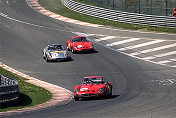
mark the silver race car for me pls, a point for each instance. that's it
(55, 52)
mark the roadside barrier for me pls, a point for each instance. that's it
(8, 89)
(123, 17)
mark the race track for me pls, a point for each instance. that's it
(141, 88)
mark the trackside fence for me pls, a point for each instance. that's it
(119, 16)
(8, 89)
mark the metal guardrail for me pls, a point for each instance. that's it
(8, 89)
(123, 17)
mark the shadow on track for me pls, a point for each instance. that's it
(87, 52)
(92, 98)
(58, 61)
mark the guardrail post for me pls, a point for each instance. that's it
(166, 7)
(113, 4)
(139, 6)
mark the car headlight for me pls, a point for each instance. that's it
(76, 90)
(101, 90)
(79, 46)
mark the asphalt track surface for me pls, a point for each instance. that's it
(136, 94)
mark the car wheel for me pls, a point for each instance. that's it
(76, 98)
(73, 51)
(107, 93)
(68, 48)
(47, 60)
(110, 93)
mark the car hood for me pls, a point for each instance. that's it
(57, 51)
(91, 87)
(83, 43)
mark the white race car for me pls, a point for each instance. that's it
(55, 52)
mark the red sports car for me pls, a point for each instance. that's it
(78, 44)
(93, 86)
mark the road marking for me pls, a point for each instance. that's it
(141, 45)
(166, 61)
(153, 49)
(160, 55)
(122, 42)
(7, 2)
(105, 38)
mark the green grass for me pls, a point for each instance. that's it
(30, 95)
(57, 7)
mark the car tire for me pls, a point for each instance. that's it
(47, 60)
(110, 93)
(72, 50)
(76, 98)
(107, 93)
(68, 48)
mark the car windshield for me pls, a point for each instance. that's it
(79, 39)
(55, 47)
(93, 80)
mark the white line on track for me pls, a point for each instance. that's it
(6, 16)
(122, 42)
(160, 55)
(153, 49)
(141, 45)
(105, 38)
(173, 66)
(166, 61)
(7, 2)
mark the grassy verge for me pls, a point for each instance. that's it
(57, 7)
(30, 95)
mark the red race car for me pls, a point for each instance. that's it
(93, 86)
(78, 44)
